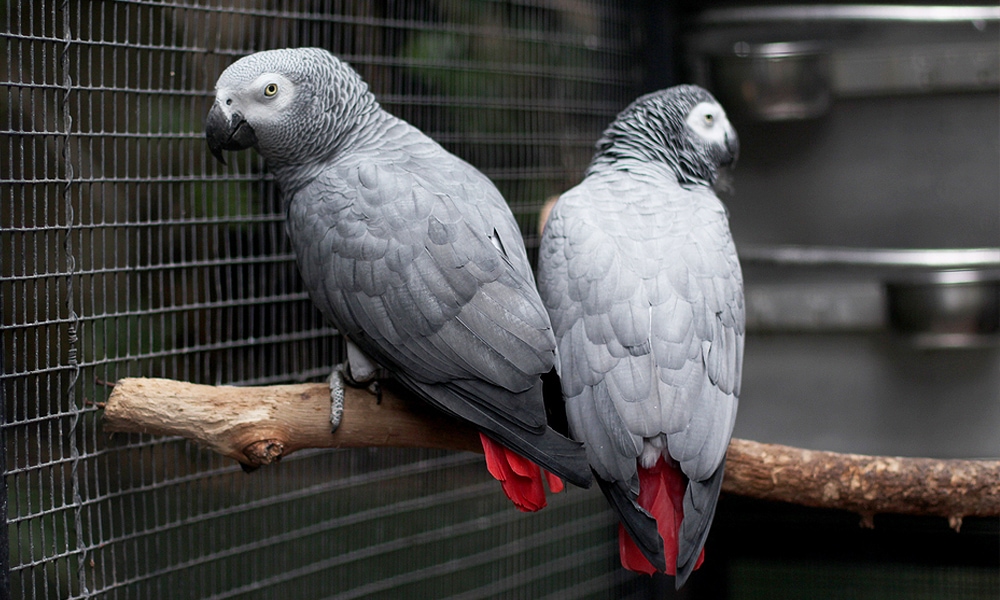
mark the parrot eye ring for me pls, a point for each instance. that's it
(270, 89)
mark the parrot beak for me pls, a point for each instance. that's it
(732, 148)
(227, 132)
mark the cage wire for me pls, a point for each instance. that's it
(127, 251)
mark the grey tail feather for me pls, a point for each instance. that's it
(550, 450)
(700, 501)
(638, 523)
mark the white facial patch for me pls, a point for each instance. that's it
(259, 100)
(266, 95)
(709, 122)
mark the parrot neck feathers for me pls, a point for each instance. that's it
(653, 129)
(346, 129)
(638, 153)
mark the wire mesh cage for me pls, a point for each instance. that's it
(127, 251)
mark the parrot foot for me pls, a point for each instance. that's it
(362, 372)
(342, 376)
(337, 380)
(375, 388)
(370, 382)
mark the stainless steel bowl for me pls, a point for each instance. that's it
(946, 308)
(933, 298)
(775, 81)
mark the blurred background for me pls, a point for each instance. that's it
(866, 208)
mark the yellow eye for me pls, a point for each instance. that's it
(270, 89)
(709, 119)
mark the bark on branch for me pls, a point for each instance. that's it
(259, 425)
(867, 485)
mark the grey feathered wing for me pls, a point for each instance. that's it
(643, 287)
(414, 256)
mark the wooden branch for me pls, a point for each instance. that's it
(259, 425)
(867, 485)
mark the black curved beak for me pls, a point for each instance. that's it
(732, 148)
(227, 133)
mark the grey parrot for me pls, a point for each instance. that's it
(409, 251)
(640, 276)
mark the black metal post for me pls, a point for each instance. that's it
(4, 539)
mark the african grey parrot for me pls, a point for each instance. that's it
(409, 251)
(640, 277)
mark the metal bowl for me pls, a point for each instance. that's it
(775, 81)
(946, 308)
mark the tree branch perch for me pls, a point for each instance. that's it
(259, 425)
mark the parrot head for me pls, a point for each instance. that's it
(683, 126)
(291, 105)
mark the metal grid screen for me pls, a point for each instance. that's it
(127, 251)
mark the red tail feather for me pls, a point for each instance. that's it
(520, 478)
(661, 493)
(555, 484)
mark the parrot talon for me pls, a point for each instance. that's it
(375, 388)
(348, 377)
(360, 372)
(337, 380)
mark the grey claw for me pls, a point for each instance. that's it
(336, 397)
(375, 388)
